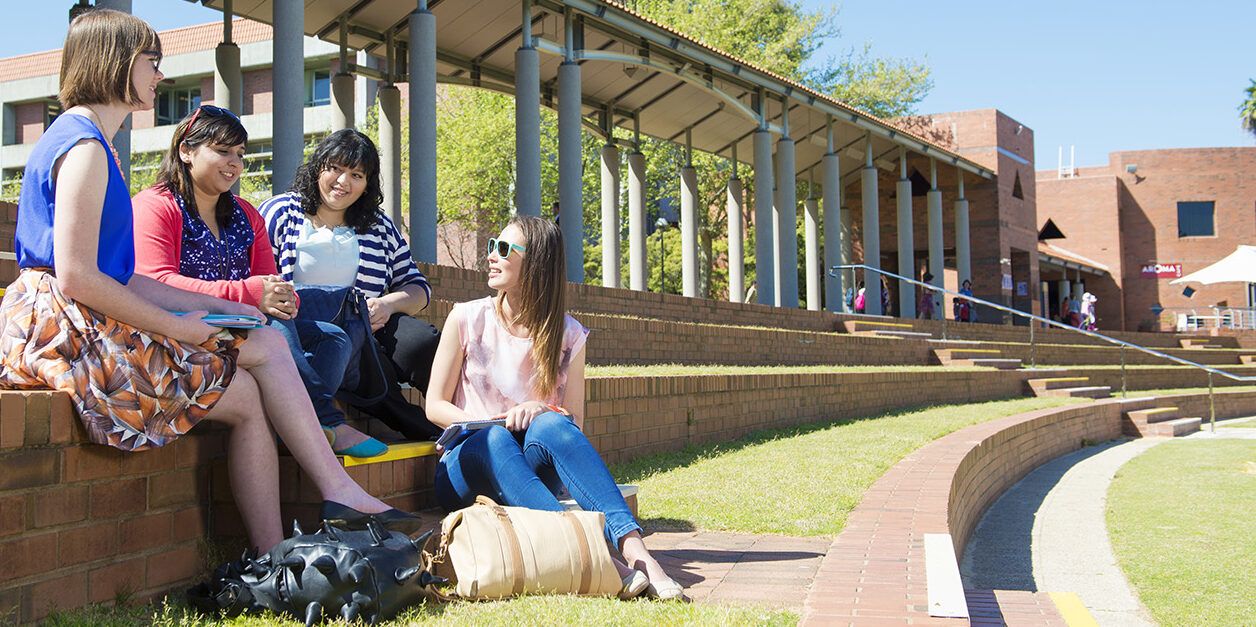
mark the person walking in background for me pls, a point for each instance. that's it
(924, 306)
(964, 309)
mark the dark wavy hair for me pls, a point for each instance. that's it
(175, 176)
(346, 148)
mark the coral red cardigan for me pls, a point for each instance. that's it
(159, 240)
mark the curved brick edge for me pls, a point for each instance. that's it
(875, 569)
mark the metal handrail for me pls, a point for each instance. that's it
(1212, 414)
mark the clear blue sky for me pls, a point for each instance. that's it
(1103, 75)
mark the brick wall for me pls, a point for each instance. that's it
(257, 92)
(28, 121)
(1146, 201)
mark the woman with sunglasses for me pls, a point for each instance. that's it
(192, 233)
(329, 231)
(79, 320)
(520, 357)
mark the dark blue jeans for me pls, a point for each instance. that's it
(528, 469)
(322, 352)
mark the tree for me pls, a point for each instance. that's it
(1247, 110)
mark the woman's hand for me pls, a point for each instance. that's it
(279, 298)
(520, 416)
(381, 310)
(232, 308)
(191, 330)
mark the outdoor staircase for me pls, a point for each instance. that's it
(988, 357)
(1208, 342)
(1163, 422)
(878, 328)
(1068, 386)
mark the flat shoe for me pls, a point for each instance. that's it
(346, 517)
(634, 585)
(666, 591)
(370, 447)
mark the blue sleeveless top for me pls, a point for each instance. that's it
(115, 255)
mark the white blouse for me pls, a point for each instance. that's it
(326, 256)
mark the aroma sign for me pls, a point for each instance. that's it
(1162, 271)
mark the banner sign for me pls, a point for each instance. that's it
(1162, 271)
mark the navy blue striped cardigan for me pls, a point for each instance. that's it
(384, 261)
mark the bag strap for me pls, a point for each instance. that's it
(586, 556)
(370, 357)
(516, 552)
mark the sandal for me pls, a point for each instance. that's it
(666, 591)
(634, 585)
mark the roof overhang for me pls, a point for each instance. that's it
(636, 71)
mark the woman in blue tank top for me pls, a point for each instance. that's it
(80, 321)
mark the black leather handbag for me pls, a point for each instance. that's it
(365, 382)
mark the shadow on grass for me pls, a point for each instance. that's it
(666, 524)
(636, 470)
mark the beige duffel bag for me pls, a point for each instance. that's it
(489, 551)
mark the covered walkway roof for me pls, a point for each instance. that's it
(639, 69)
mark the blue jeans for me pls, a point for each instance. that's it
(322, 352)
(529, 469)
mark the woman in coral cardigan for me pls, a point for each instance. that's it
(192, 233)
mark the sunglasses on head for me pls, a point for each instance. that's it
(212, 111)
(503, 247)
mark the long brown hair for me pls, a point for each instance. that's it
(543, 295)
(100, 51)
(175, 176)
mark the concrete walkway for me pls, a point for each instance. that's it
(1049, 532)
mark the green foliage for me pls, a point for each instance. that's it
(11, 188)
(883, 87)
(1247, 110)
(144, 167)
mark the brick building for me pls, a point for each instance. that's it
(1150, 216)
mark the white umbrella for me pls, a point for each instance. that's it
(1238, 267)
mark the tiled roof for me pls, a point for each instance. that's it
(173, 41)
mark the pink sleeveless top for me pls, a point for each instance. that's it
(497, 371)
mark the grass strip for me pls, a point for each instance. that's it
(534, 610)
(1179, 517)
(801, 481)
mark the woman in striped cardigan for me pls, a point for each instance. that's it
(329, 230)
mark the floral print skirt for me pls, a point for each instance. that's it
(133, 389)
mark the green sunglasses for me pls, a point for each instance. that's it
(503, 247)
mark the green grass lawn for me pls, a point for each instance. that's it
(754, 485)
(802, 481)
(1180, 518)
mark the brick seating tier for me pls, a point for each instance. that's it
(456, 284)
(875, 568)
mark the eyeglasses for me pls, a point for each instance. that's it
(213, 111)
(503, 247)
(154, 57)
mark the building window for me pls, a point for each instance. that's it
(317, 88)
(51, 113)
(1195, 218)
(175, 104)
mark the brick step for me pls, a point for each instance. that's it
(904, 335)
(1174, 428)
(1206, 342)
(946, 355)
(1143, 417)
(1247, 360)
(1001, 364)
(854, 326)
(1095, 391)
(1054, 383)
